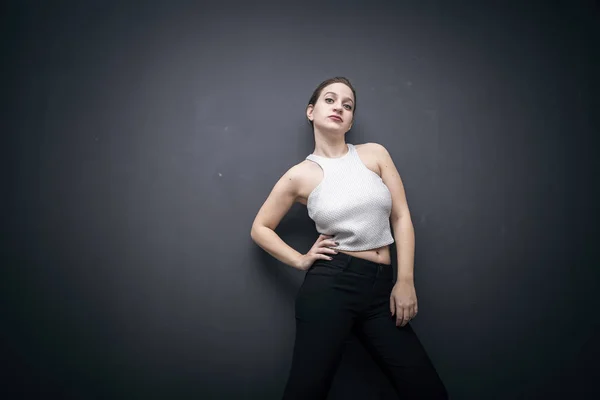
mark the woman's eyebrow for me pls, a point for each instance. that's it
(347, 98)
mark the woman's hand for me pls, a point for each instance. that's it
(318, 251)
(403, 302)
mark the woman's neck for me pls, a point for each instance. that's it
(330, 147)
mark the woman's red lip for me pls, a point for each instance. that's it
(338, 118)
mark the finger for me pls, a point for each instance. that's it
(392, 305)
(325, 247)
(328, 243)
(316, 255)
(325, 250)
(399, 315)
(407, 316)
(409, 313)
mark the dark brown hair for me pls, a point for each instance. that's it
(322, 85)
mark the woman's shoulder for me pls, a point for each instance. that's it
(371, 147)
(301, 171)
(305, 167)
(373, 150)
(299, 178)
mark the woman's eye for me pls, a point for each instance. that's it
(347, 106)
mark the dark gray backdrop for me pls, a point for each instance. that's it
(141, 141)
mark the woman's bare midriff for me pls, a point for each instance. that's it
(379, 256)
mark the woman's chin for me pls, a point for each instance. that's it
(336, 129)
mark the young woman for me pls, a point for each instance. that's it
(355, 196)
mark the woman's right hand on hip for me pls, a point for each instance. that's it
(319, 251)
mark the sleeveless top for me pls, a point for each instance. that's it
(351, 202)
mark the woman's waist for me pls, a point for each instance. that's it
(380, 255)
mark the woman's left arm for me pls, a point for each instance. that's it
(403, 299)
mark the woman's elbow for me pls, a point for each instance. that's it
(255, 232)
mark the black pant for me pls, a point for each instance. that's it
(350, 294)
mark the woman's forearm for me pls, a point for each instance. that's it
(404, 234)
(270, 242)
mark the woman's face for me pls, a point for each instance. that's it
(334, 109)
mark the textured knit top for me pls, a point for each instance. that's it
(351, 203)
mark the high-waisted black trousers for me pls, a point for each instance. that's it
(352, 295)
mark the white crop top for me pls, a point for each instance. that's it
(351, 203)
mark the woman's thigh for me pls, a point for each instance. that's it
(402, 357)
(323, 323)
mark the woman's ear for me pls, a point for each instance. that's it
(309, 112)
